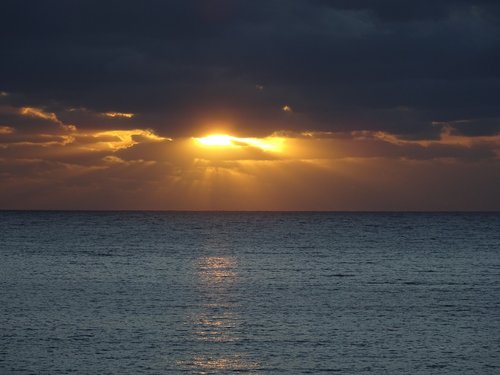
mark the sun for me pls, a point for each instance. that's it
(272, 144)
(216, 140)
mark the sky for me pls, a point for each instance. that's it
(250, 105)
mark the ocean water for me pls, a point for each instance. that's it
(259, 293)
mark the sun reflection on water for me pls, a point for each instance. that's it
(234, 363)
(216, 327)
(216, 324)
(217, 269)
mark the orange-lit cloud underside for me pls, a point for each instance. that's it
(137, 168)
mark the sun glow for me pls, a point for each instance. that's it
(273, 144)
(216, 140)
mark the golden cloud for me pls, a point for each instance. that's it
(118, 114)
(6, 130)
(38, 113)
(125, 138)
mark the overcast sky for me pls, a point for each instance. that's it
(385, 104)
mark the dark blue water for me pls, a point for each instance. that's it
(209, 293)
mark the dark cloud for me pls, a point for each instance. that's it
(342, 65)
(412, 11)
(476, 128)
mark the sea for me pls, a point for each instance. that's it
(249, 292)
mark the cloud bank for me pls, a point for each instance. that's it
(381, 105)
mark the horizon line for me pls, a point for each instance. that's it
(245, 211)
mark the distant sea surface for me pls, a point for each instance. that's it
(260, 293)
